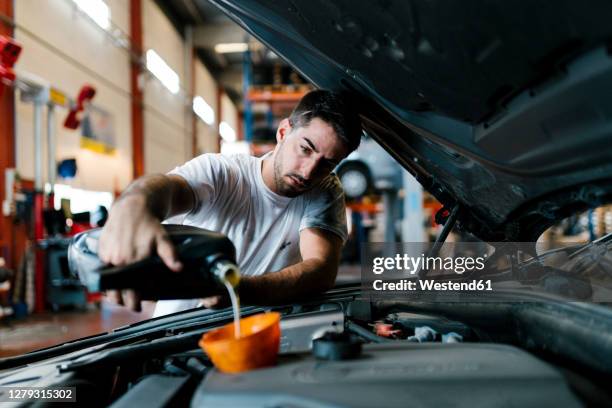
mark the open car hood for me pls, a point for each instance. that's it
(502, 108)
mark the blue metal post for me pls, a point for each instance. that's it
(270, 118)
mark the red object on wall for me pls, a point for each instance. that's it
(9, 53)
(86, 94)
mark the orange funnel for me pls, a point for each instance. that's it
(257, 347)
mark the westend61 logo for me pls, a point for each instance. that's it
(411, 265)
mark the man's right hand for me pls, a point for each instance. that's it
(132, 233)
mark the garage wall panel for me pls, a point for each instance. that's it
(161, 149)
(207, 138)
(68, 50)
(206, 87)
(228, 112)
(166, 132)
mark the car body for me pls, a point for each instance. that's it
(499, 108)
(502, 111)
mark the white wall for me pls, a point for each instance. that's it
(167, 139)
(68, 50)
(206, 87)
(229, 113)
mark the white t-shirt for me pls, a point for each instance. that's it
(232, 198)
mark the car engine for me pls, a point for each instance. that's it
(337, 352)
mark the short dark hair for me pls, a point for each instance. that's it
(335, 109)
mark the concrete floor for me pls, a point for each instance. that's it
(47, 329)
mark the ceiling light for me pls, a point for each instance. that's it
(97, 10)
(227, 132)
(203, 110)
(226, 48)
(162, 71)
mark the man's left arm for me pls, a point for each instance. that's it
(320, 250)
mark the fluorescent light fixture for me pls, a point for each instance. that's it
(227, 133)
(162, 71)
(226, 48)
(97, 10)
(203, 110)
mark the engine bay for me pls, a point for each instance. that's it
(395, 375)
(405, 358)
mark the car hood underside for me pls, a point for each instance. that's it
(499, 107)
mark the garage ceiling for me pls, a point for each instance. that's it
(211, 27)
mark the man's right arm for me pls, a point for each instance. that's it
(133, 230)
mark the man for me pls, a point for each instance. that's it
(284, 212)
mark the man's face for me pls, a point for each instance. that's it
(305, 155)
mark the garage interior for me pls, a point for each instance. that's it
(96, 93)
